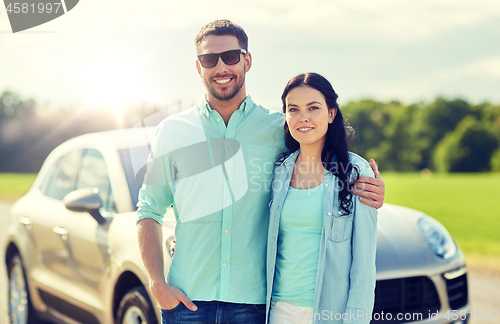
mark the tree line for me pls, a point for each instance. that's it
(442, 135)
(450, 135)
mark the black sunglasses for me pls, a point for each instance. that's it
(229, 58)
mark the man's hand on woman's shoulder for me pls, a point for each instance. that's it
(371, 191)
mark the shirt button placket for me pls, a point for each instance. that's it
(227, 216)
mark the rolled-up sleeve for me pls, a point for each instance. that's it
(155, 196)
(153, 202)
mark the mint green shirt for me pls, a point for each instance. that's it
(218, 179)
(299, 239)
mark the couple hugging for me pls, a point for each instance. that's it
(281, 227)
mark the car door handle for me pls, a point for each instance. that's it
(60, 230)
(26, 222)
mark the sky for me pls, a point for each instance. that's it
(117, 53)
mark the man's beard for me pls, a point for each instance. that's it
(227, 94)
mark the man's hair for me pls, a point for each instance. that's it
(223, 27)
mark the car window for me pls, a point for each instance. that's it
(93, 173)
(129, 157)
(47, 181)
(61, 179)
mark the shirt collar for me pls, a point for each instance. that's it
(290, 160)
(245, 107)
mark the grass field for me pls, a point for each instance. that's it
(14, 185)
(468, 205)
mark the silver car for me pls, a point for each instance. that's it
(72, 253)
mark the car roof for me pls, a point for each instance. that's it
(108, 142)
(121, 138)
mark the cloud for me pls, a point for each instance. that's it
(386, 48)
(488, 67)
(402, 21)
(474, 81)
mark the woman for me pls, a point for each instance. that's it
(322, 240)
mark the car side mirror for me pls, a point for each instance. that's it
(85, 200)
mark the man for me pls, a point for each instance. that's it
(216, 162)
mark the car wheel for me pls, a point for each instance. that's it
(136, 308)
(20, 308)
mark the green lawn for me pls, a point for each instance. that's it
(14, 185)
(468, 205)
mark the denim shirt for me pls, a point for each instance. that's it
(345, 279)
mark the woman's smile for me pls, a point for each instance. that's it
(305, 129)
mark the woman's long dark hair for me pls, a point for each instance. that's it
(335, 155)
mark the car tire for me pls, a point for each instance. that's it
(20, 308)
(136, 308)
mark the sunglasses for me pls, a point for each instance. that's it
(229, 58)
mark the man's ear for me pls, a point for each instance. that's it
(331, 115)
(198, 67)
(248, 62)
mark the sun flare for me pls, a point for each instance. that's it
(112, 82)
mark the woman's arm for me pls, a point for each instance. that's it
(362, 274)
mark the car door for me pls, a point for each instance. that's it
(48, 237)
(88, 253)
